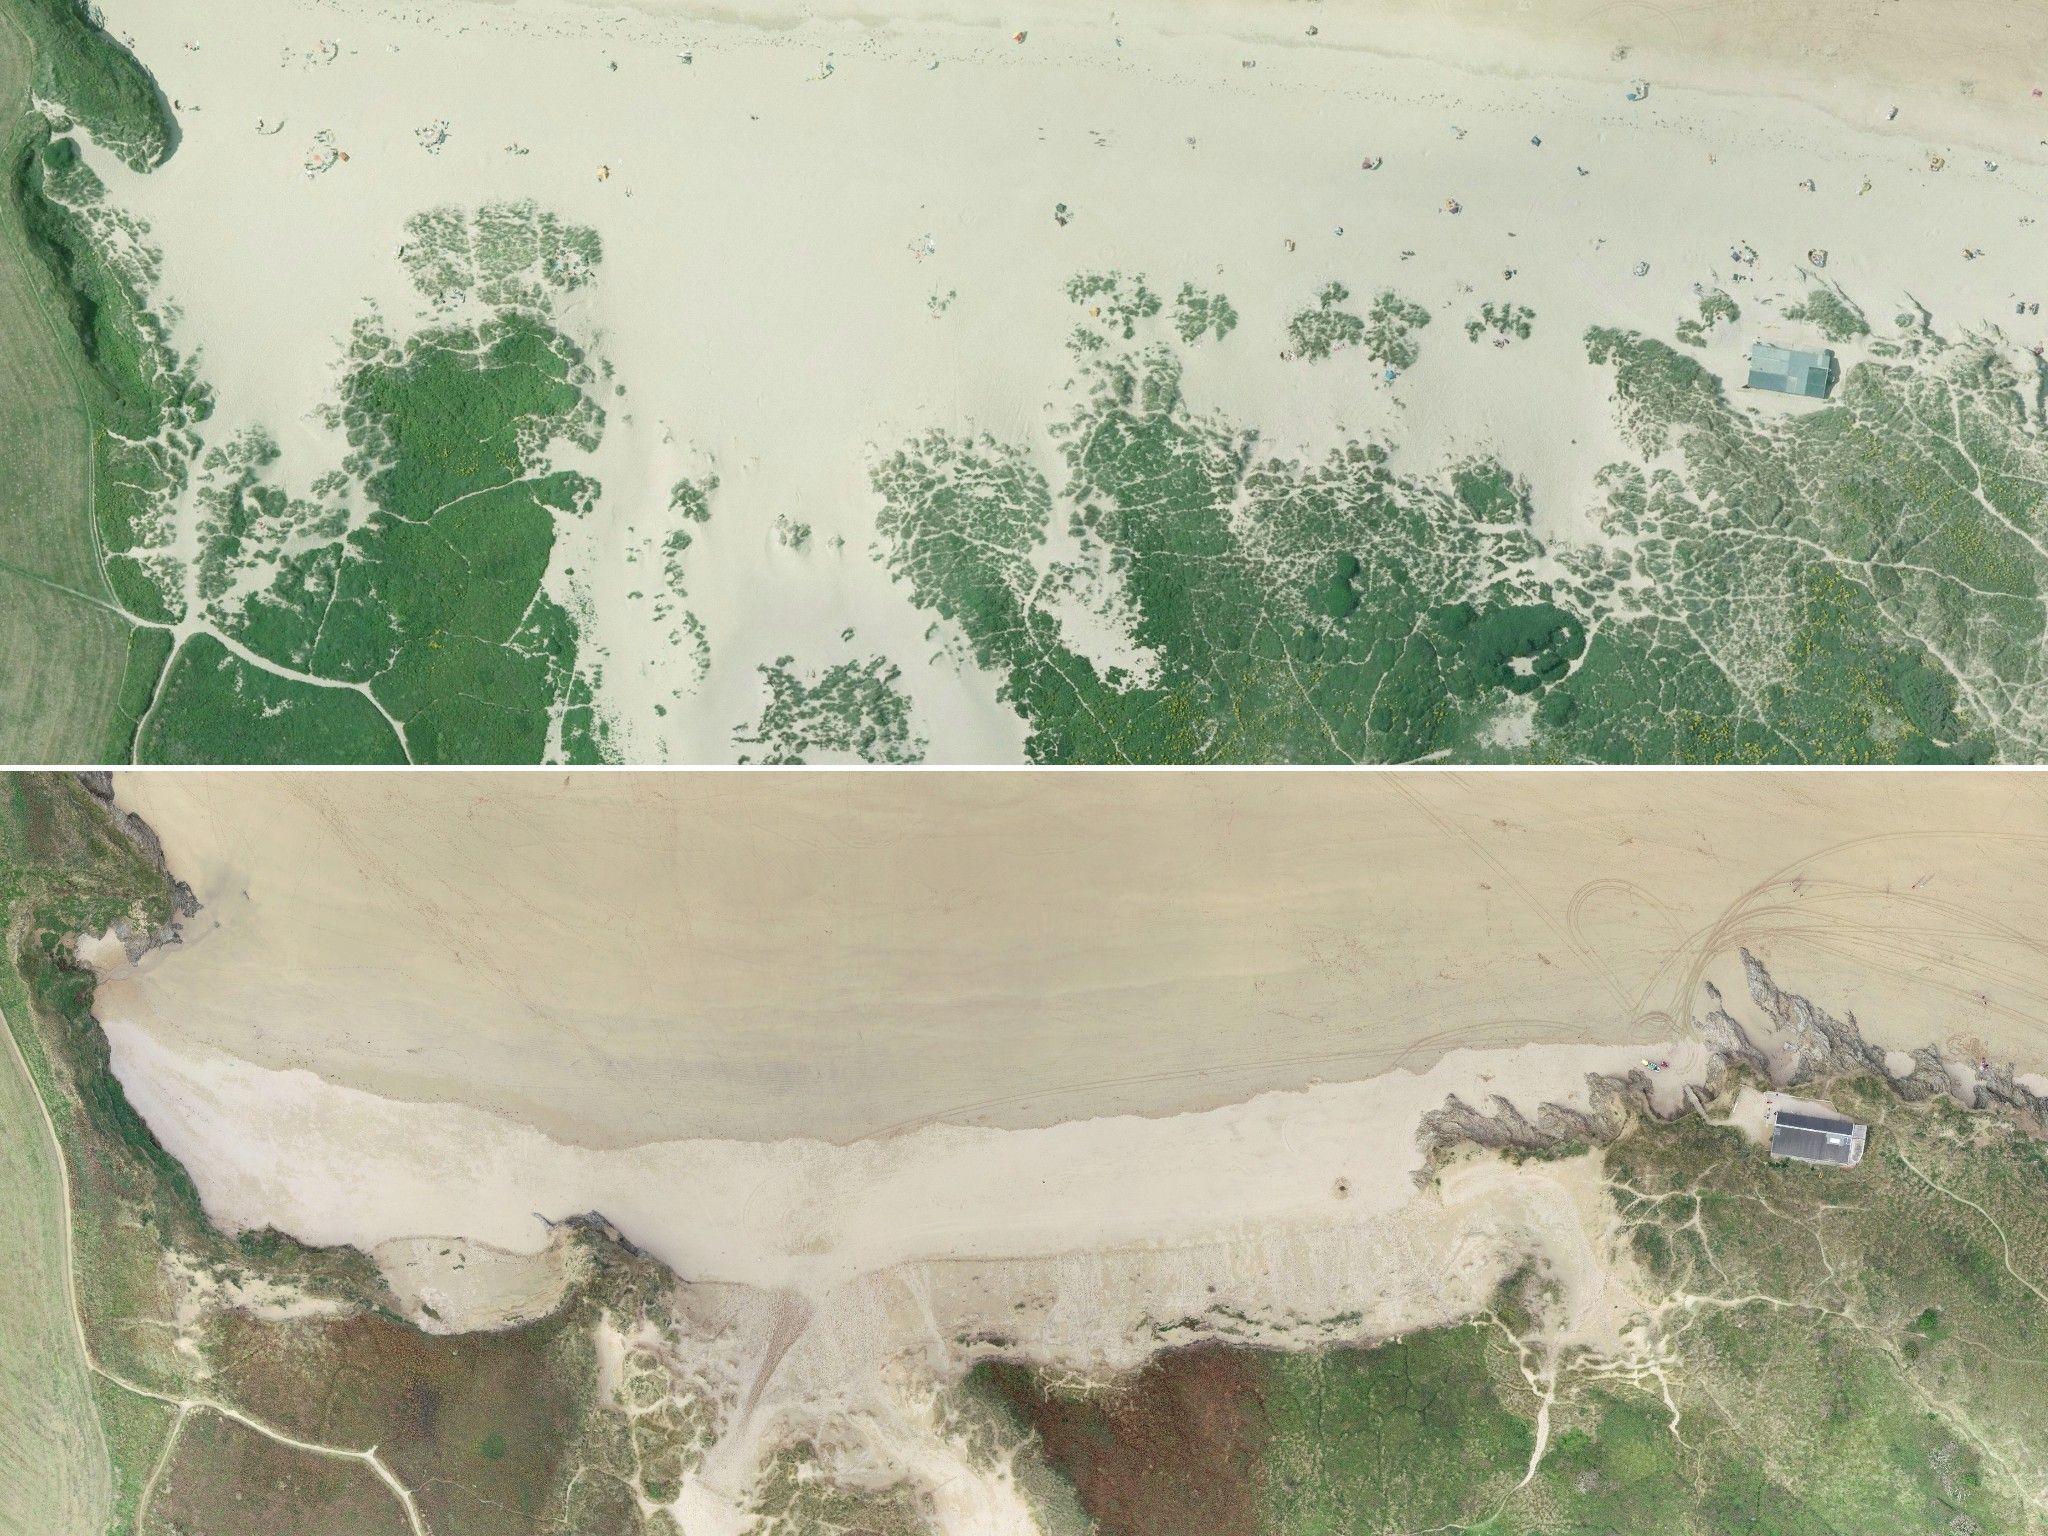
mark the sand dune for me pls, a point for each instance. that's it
(828, 231)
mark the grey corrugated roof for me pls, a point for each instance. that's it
(1791, 371)
(1806, 1122)
(1817, 1138)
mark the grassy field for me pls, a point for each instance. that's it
(53, 1463)
(62, 646)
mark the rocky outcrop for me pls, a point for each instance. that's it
(1612, 1102)
(1817, 1048)
(100, 785)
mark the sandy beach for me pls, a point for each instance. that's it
(617, 960)
(826, 232)
(834, 1290)
(897, 1071)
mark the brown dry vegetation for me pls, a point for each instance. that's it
(1180, 1448)
(224, 1479)
(479, 1426)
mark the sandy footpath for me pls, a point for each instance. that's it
(827, 230)
(617, 959)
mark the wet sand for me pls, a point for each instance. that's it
(620, 959)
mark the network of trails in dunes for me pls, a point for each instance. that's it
(1194, 383)
(1552, 1288)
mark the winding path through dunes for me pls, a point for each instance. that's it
(63, 645)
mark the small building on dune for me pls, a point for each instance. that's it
(1791, 371)
(1817, 1138)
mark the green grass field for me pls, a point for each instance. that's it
(64, 647)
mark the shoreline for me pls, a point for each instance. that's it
(1969, 52)
(799, 1215)
(836, 1289)
(658, 958)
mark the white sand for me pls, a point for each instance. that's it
(870, 1275)
(764, 312)
(336, 1165)
(455, 1285)
(618, 959)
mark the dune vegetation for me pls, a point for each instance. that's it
(1862, 584)
(1828, 1350)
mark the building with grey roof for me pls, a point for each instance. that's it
(1817, 1138)
(1790, 371)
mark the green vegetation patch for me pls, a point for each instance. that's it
(420, 575)
(145, 397)
(215, 707)
(1118, 303)
(96, 81)
(1198, 313)
(1390, 331)
(420, 569)
(856, 710)
(1506, 322)
(1828, 1350)
(1316, 333)
(689, 506)
(511, 255)
(1295, 611)
(1858, 584)
(1832, 311)
(1387, 332)
(1716, 308)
